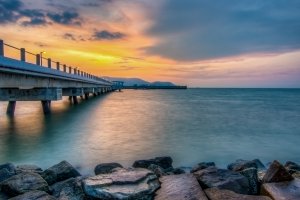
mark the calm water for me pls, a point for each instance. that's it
(192, 125)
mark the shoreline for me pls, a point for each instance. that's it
(154, 178)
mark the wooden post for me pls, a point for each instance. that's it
(65, 68)
(58, 66)
(70, 70)
(49, 62)
(23, 58)
(38, 59)
(1, 48)
(11, 108)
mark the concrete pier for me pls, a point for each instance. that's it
(22, 81)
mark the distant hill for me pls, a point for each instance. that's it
(139, 82)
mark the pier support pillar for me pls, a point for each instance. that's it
(11, 108)
(86, 96)
(46, 106)
(75, 101)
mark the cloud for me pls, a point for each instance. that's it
(9, 10)
(106, 35)
(69, 36)
(65, 18)
(201, 29)
(36, 17)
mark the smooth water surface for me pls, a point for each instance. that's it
(191, 125)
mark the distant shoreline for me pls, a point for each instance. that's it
(154, 87)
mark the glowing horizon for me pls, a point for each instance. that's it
(187, 44)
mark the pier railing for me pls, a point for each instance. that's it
(10, 51)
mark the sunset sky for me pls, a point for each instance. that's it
(199, 43)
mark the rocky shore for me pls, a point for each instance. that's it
(153, 179)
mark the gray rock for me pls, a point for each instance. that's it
(10, 168)
(180, 187)
(5, 174)
(202, 165)
(259, 164)
(240, 165)
(129, 184)
(60, 172)
(292, 167)
(28, 168)
(157, 170)
(3, 196)
(277, 173)
(222, 179)
(251, 175)
(22, 183)
(289, 190)
(34, 195)
(177, 171)
(106, 168)
(217, 194)
(68, 190)
(164, 162)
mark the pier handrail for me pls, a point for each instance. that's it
(58, 65)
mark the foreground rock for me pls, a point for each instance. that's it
(292, 167)
(106, 168)
(222, 179)
(28, 168)
(68, 189)
(277, 173)
(217, 194)
(130, 184)
(34, 195)
(157, 170)
(251, 175)
(60, 172)
(163, 162)
(282, 191)
(202, 165)
(6, 171)
(23, 183)
(240, 165)
(180, 187)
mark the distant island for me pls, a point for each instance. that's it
(137, 83)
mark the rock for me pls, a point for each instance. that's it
(202, 165)
(10, 168)
(180, 187)
(34, 195)
(292, 167)
(217, 194)
(130, 184)
(164, 162)
(5, 174)
(60, 172)
(251, 175)
(289, 190)
(106, 168)
(28, 168)
(3, 196)
(177, 171)
(68, 190)
(158, 171)
(296, 175)
(240, 165)
(277, 173)
(222, 179)
(25, 182)
(259, 164)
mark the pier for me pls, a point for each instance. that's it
(21, 80)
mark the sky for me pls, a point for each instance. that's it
(199, 43)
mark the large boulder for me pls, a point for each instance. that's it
(180, 187)
(164, 162)
(59, 172)
(240, 165)
(22, 183)
(34, 195)
(157, 170)
(289, 190)
(277, 173)
(130, 184)
(223, 179)
(292, 167)
(28, 168)
(218, 194)
(251, 175)
(106, 168)
(202, 165)
(10, 167)
(68, 190)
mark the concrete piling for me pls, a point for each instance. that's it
(11, 108)
(46, 106)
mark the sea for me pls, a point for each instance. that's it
(191, 126)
